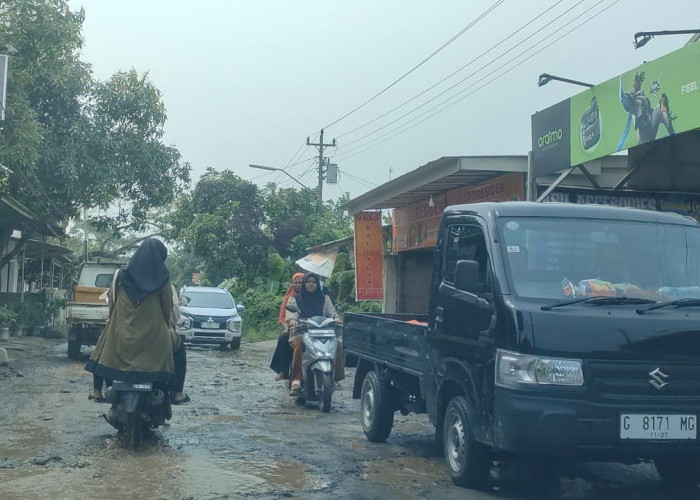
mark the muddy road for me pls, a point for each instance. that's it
(242, 436)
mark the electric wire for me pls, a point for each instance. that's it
(360, 149)
(455, 37)
(453, 86)
(459, 69)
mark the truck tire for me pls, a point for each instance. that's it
(680, 471)
(73, 349)
(377, 413)
(468, 461)
(235, 344)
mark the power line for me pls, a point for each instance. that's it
(460, 69)
(413, 110)
(461, 32)
(398, 130)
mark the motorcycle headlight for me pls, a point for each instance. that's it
(319, 348)
(234, 325)
(514, 370)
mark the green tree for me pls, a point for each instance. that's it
(72, 142)
(221, 223)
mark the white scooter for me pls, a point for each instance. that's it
(318, 362)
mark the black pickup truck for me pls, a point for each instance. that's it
(556, 331)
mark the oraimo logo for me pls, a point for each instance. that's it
(550, 137)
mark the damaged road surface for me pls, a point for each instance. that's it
(242, 435)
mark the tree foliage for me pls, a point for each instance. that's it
(73, 142)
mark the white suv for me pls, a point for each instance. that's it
(210, 316)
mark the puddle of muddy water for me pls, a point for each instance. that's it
(239, 474)
(226, 418)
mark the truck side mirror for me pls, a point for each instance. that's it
(240, 307)
(467, 276)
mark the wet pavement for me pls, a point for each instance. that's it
(243, 436)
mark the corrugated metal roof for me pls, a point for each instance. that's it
(437, 177)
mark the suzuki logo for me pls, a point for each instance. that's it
(658, 379)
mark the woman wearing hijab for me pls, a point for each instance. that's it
(283, 352)
(138, 344)
(310, 301)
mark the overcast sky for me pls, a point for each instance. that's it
(248, 81)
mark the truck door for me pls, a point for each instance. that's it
(461, 323)
(459, 315)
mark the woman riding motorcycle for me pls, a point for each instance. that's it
(310, 302)
(138, 344)
(282, 357)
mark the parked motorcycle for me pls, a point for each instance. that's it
(318, 362)
(136, 408)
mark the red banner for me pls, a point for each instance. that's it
(368, 256)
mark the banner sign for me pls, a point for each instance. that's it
(681, 203)
(320, 261)
(657, 99)
(369, 256)
(417, 225)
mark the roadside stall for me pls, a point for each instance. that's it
(418, 200)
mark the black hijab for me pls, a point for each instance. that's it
(310, 304)
(145, 272)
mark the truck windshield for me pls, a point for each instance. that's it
(571, 258)
(209, 300)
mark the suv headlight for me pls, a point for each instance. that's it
(234, 325)
(514, 370)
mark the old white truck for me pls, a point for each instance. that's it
(88, 310)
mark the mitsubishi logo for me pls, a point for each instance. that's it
(658, 379)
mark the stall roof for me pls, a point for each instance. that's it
(436, 177)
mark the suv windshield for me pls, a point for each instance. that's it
(570, 258)
(208, 299)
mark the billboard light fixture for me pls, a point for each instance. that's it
(545, 78)
(642, 37)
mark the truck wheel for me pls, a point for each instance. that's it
(377, 414)
(235, 344)
(73, 349)
(468, 461)
(681, 471)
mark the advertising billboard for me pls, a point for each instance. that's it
(658, 99)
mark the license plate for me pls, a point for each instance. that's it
(652, 426)
(210, 324)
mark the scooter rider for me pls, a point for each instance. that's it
(137, 343)
(310, 301)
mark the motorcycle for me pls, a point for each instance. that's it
(318, 362)
(136, 408)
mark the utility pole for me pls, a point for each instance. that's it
(321, 163)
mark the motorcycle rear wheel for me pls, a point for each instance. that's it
(134, 431)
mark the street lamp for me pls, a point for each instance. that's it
(642, 38)
(273, 169)
(545, 78)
